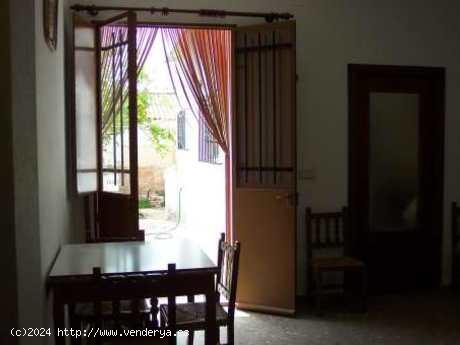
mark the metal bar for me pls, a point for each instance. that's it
(337, 230)
(318, 230)
(268, 16)
(265, 47)
(328, 229)
(279, 140)
(114, 128)
(274, 107)
(122, 153)
(125, 171)
(87, 49)
(259, 59)
(246, 122)
(98, 110)
(286, 169)
(114, 45)
(266, 152)
(132, 91)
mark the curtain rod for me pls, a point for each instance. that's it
(269, 17)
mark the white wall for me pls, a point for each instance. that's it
(330, 35)
(199, 188)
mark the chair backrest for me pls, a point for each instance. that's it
(455, 214)
(326, 230)
(227, 278)
(455, 225)
(170, 284)
(92, 234)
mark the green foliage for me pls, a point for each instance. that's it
(144, 99)
(144, 203)
(163, 139)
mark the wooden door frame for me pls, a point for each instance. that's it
(358, 135)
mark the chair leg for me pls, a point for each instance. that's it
(364, 289)
(190, 337)
(230, 333)
(318, 291)
(75, 324)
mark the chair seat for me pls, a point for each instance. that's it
(193, 314)
(336, 263)
(86, 310)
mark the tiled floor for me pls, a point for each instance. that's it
(416, 319)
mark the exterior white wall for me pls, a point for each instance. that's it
(330, 35)
(195, 192)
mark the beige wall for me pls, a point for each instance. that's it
(331, 34)
(28, 264)
(42, 206)
(54, 199)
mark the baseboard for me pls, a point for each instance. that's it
(265, 309)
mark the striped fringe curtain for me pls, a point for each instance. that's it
(201, 59)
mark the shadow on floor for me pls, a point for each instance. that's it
(414, 319)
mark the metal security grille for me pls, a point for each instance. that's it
(265, 107)
(181, 136)
(208, 148)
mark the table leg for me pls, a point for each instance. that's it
(211, 329)
(59, 318)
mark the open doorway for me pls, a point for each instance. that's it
(181, 167)
(258, 141)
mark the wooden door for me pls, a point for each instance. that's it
(264, 165)
(396, 138)
(117, 217)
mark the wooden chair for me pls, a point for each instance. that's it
(124, 311)
(118, 287)
(455, 246)
(159, 284)
(329, 231)
(190, 316)
(115, 314)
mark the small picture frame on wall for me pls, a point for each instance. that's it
(50, 22)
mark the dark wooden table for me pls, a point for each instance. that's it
(74, 266)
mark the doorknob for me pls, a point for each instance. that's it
(282, 197)
(291, 197)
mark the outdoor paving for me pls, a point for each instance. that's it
(155, 223)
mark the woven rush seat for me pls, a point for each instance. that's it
(336, 263)
(194, 313)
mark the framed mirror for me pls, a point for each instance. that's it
(395, 172)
